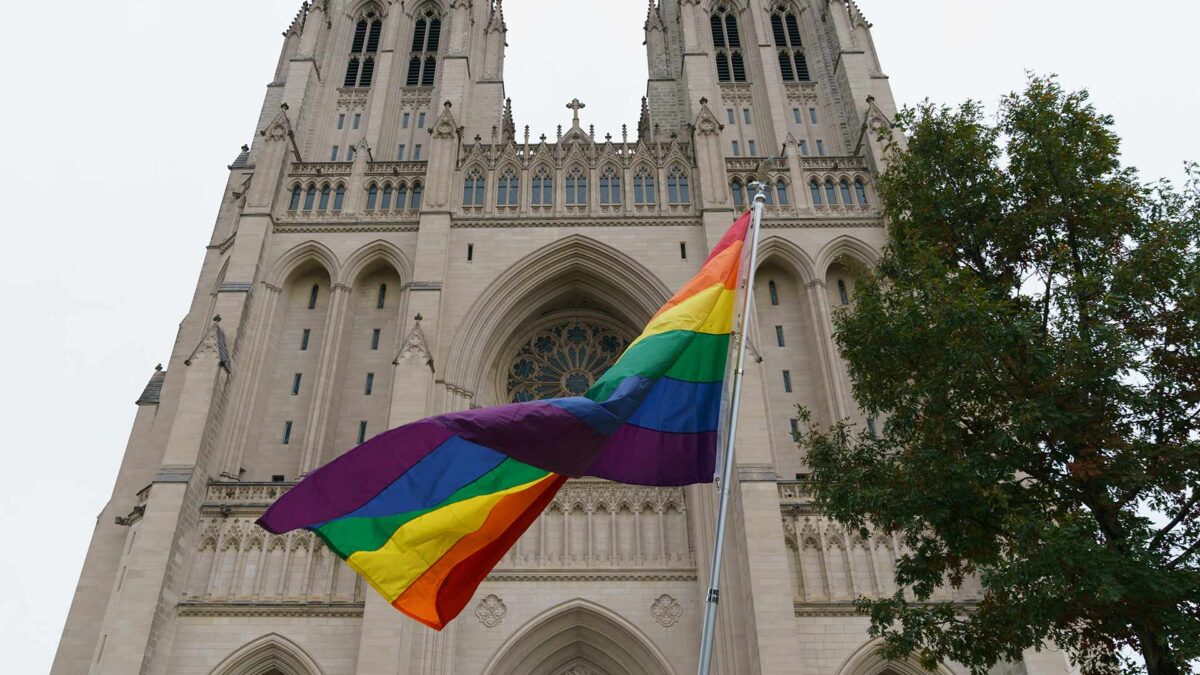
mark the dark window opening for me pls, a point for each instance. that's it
(295, 202)
(842, 294)
(312, 297)
(277, 478)
(727, 41)
(296, 384)
(683, 250)
(304, 339)
(779, 336)
(774, 292)
(362, 432)
(787, 381)
(382, 299)
(470, 252)
(370, 385)
(287, 432)
(375, 339)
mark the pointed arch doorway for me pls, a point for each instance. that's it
(579, 638)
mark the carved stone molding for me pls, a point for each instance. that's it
(666, 610)
(348, 610)
(491, 611)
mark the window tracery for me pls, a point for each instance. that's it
(610, 188)
(543, 188)
(422, 62)
(474, 187)
(678, 192)
(739, 196)
(786, 30)
(508, 189)
(365, 44)
(577, 190)
(563, 359)
(644, 193)
(727, 42)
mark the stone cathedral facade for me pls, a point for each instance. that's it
(393, 245)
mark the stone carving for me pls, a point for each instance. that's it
(666, 611)
(491, 611)
(563, 360)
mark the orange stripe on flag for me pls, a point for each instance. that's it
(447, 586)
(722, 269)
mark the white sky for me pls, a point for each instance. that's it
(119, 128)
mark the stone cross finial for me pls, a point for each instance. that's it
(575, 106)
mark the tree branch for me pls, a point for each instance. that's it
(1185, 555)
(1183, 513)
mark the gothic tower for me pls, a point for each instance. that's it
(391, 246)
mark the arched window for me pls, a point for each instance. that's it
(416, 196)
(382, 296)
(768, 198)
(508, 189)
(339, 198)
(792, 64)
(815, 188)
(830, 195)
(543, 188)
(610, 187)
(361, 67)
(387, 198)
(577, 194)
(774, 291)
(842, 294)
(309, 197)
(372, 196)
(473, 188)
(295, 203)
(728, 45)
(861, 191)
(846, 200)
(644, 193)
(422, 64)
(739, 196)
(781, 195)
(677, 188)
(401, 197)
(324, 203)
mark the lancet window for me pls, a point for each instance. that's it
(543, 188)
(294, 204)
(577, 192)
(731, 65)
(365, 45)
(610, 188)
(739, 195)
(417, 191)
(643, 188)
(786, 29)
(677, 188)
(830, 195)
(508, 189)
(473, 188)
(781, 194)
(815, 189)
(845, 187)
(861, 191)
(422, 63)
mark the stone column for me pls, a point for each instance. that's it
(325, 381)
(250, 372)
(139, 626)
(832, 368)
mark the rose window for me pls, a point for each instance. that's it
(563, 359)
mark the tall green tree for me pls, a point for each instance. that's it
(1032, 338)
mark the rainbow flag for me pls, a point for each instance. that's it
(425, 511)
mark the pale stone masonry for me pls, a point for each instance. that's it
(392, 245)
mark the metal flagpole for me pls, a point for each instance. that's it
(714, 588)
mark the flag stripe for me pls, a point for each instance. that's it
(351, 535)
(448, 585)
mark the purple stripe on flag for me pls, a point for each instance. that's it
(635, 453)
(547, 436)
(355, 478)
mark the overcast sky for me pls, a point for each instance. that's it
(122, 115)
